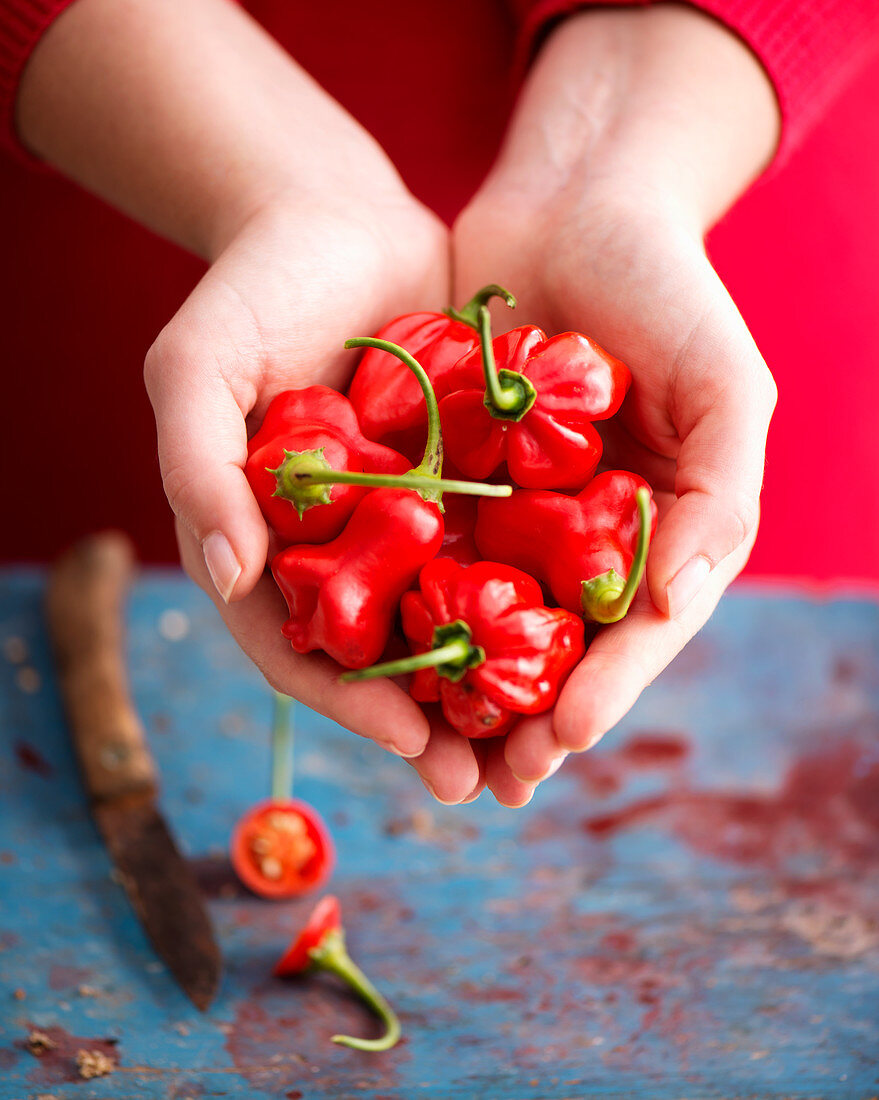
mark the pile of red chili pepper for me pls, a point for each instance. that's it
(488, 576)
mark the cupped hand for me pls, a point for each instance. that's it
(594, 218)
(273, 312)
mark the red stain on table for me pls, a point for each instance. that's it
(57, 1065)
(604, 773)
(32, 759)
(828, 803)
(280, 1037)
(66, 977)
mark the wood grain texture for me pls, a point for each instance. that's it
(85, 607)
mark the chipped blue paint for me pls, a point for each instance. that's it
(689, 911)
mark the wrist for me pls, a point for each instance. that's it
(112, 97)
(662, 101)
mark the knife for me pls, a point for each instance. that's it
(85, 609)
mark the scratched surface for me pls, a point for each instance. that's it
(692, 910)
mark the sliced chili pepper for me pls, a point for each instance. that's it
(388, 401)
(343, 595)
(281, 847)
(486, 646)
(321, 946)
(536, 412)
(312, 428)
(590, 549)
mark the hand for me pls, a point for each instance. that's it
(637, 128)
(273, 312)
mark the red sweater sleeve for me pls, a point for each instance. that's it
(809, 48)
(22, 24)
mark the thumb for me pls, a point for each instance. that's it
(202, 440)
(717, 485)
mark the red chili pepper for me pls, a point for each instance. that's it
(486, 647)
(281, 847)
(312, 429)
(459, 519)
(388, 401)
(590, 549)
(343, 595)
(321, 946)
(536, 412)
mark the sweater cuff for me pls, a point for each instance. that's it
(22, 24)
(809, 50)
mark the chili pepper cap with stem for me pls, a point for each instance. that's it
(451, 654)
(304, 474)
(321, 946)
(606, 599)
(508, 394)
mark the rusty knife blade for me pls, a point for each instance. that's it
(164, 893)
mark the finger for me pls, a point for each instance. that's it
(202, 450)
(532, 750)
(626, 657)
(377, 709)
(719, 476)
(448, 766)
(499, 779)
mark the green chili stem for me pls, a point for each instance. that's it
(469, 314)
(603, 600)
(432, 462)
(447, 654)
(333, 956)
(499, 397)
(411, 480)
(282, 747)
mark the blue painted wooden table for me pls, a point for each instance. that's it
(691, 910)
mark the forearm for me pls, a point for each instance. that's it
(662, 98)
(186, 116)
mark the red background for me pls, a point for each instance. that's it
(85, 292)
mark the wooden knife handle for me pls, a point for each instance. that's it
(85, 608)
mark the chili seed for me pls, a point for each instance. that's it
(271, 867)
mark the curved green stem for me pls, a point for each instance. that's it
(508, 394)
(469, 314)
(332, 955)
(282, 747)
(432, 463)
(451, 654)
(607, 598)
(412, 480)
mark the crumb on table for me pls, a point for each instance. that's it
(38, 1042)
(93, 1063)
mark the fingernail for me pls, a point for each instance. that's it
(520, 805)
(556, 764)
(474, 794)
(389, 746)
(223, 566)
(686, 583)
